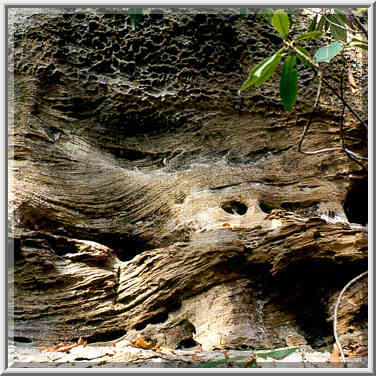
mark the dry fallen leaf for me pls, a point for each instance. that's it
(197, 358)
(164, 349)
(141, 342)
(48, 349)
(60, 347)
(362, 351)
(81, 341)
(226, 225)
(335, 356)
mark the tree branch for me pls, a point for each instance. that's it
(353, 156)
(310, 122)
(361, 26)
(342, 27)
(336, 312)
(316, 67)
(345, 103)
(348, 153)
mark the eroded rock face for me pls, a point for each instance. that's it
(146, 192)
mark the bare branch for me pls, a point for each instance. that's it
(306, 128)
(343, 27)
(361, 26)
(350, 154)
(336, 312)
(353, 156)
(317, 68)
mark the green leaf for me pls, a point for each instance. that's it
(323, 24)
(313, 25)
(243, 12)
(278, 355)
(358, 40)
(358, 43)
(251, 364)
(281, 23)
(304, 61)
(240, 357)
(289, 83)
(135, 16)
(337, 32)
(267, 13)
(261, 72)
(213, 363)
(363, 46)
(310, 35)
(340, 17)
(325, 54)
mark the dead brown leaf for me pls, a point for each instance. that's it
(81, 341)
(335, 356)
(197, 357)
(48, 349)
(362, 352)
(143, 344)
(164, 349)
(60, 347)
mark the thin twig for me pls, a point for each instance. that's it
(310, 122)
(361, 26)
(342, 27)
(341, 87)
(344, 102)
(342, 132)
(306, 128)
(317, 68)
(311, 115)
(353, 156)
(336, 312)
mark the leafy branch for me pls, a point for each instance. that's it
(293, 53)
(339, 19)
(355, 157)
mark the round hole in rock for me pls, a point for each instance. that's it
(356, 203)
(105, 337)
(291, 206)
(21, 339)
(186, 343)
(234, 207)
(265, 207)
